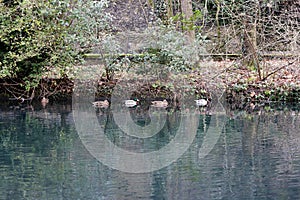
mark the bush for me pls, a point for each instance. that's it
(37, 36)
(166, 49)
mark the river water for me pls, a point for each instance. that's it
(56, 153)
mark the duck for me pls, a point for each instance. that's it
(101, 104)
(131, 103)
(44, 101)
(201, 102)
(163, 103)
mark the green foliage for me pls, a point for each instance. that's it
(38, 36)
(188, 24)
(110, 49)
(157, 50)
(166, 50)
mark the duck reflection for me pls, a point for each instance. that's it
(140, 115)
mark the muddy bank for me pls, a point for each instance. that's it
(280, 83)
(240, 86)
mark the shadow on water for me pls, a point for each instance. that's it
(255, 156)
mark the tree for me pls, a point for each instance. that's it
(39, 36)
(249, 44)
(187, 12)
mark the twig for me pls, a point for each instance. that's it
(144, 11)
(279, 68)
(224, 70)
(13, 93)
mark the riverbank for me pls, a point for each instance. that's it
(241, 87)
(280, 82)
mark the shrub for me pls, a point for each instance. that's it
(37, 36)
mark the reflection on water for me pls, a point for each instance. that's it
(256, 156)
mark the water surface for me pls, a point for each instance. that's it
(256, 156)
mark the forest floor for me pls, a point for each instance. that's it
(279, 82)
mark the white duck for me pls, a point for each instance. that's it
(131, 103)
(201, 102)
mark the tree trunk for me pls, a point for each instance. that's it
(187, 11)
(249, 45)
